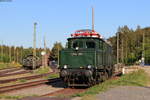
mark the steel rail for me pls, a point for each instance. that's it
(16, 73)
(28, 84)
(26, 78)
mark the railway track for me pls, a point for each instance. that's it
(66, 91)
(15, 73)
(25, 85)
(9, 70)
(26, 78)
(117, 74)
(71, 91)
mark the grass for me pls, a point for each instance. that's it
(43, 70)
(138, 78)
(55, 75)
(22, 80)
(15, 97)
(10, 97)
(8, 65)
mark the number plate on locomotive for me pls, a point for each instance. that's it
(76, 54)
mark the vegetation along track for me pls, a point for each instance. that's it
(9, 70)
(26, 78)
(28, 84)
(16, 73)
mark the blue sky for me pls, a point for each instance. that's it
(57, 19)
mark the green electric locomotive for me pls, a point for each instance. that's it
(87, 60)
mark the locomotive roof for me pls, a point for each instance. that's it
(85, 38)
(81, 36)
(89, 30)
(71, 38)
(87, 34)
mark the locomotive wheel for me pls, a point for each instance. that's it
(105, 76)
(110, 73)
(89, 82)
(98, 78)
(94, 82)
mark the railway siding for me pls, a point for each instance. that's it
(15, 73)
(27, 78)
(37, 90)
(9, 70)
(25, 85)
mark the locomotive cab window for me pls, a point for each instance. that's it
(77, 44)
(101, 45)
(90, 44)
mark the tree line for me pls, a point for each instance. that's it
(133, 45)
(9, 54)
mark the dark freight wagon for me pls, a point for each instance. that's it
(28, 62)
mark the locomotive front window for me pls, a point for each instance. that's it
(75, 44)
(90, 44)
(78, 44)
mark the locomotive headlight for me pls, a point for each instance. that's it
(89, 66)
(65, 66)
(77, 48)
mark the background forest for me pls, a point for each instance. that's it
(11, 54)
(133, 45)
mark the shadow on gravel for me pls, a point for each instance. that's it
(59, 84)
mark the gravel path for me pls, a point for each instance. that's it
(126, 93)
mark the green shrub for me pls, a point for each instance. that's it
(42, 70)
(56, 75)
